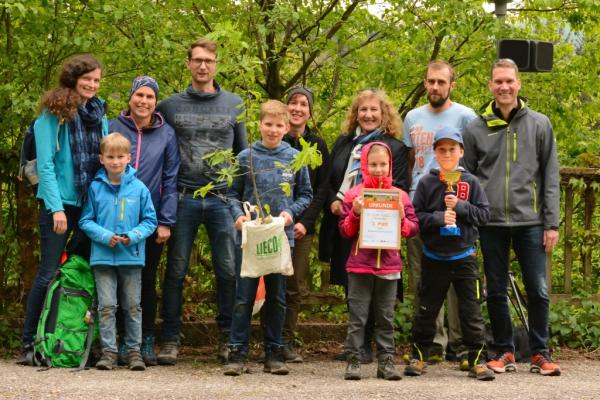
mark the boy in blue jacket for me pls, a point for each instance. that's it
(118, 216)
(265, 156)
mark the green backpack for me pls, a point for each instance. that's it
(68, 323)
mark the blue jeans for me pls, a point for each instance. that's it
(52, 246)
(215, 214)
(127, 282)
(527, 243)
(274, 307)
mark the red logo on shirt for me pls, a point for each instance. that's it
(462, 190)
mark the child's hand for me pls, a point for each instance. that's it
(238, 222)
(450, 200)
(114, 240)
(299, 230)
(450, 217)
(287, 218)
(357, 204)
(125, 240)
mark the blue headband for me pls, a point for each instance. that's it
(141, 81)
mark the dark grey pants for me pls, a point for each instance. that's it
(364, 289)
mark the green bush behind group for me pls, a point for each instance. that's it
(335, 47)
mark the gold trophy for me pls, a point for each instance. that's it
(450, 178)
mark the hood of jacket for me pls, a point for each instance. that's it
(204, 95)
(259, 147)
(381, 182)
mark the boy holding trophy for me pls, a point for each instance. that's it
(450, 204)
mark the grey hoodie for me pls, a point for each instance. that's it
(517, 166)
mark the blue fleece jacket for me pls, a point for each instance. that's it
(108, 211)
(268, 178)
(155, 156)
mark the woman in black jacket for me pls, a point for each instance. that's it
(370, 118)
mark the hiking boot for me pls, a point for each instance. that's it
(464, 363)
(386, 369)
(415, 368)
(26, 355)
(108, 361)
(168, 353)
(352, 369)
(135, 361)
(503, 363)
(366, 355)
(481, 373)
(147, 350)
(275, 363)
(290, 355)
(236, 364)
(122, 356)
(543, 364)
(222, 352)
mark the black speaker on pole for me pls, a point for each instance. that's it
(529, 55)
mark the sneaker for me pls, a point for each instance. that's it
(481, 373)
(26, 355)
(503, 363)
(108, 361)
(275, 363)
(435, 358)
(236, 364)
(290, 354)
(122, 354)
(386, 369)
(135, 361)
(147, 350)
(543, 364)
(464, 363)
(168, 353)
(352, 369)
(415, 368)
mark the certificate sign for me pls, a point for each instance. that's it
(380, 219)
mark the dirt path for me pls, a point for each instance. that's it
(316, 379)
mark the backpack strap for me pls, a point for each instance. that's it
(90, 336)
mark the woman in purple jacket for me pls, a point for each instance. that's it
(155, 156)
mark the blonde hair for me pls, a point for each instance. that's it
(390, 120)
(115, 142)
(205, 43)
(276, 109)
(504, 63)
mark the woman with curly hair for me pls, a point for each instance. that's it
(371, 118)
(67, 138)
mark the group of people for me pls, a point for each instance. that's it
(116, 199)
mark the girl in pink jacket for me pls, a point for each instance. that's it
(373, 273)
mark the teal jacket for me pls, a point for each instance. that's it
(126, 211)
(55, 162)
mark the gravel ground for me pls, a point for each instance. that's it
(316, 379)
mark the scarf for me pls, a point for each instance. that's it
(353, 175)
(85, 133)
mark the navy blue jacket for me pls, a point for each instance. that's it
(472, 210)
(155, 156)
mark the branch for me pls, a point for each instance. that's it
(199, 15)
(372, 38)
(332, 31)
(421, 20)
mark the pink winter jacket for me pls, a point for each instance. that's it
(374, 261)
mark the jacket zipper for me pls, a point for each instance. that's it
(534, 188)
(138, 149)
(515, 145)
(507, 176)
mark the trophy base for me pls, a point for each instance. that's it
(450, 231)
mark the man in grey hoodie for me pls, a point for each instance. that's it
(205, 118)
(512, 150)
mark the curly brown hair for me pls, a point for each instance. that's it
(390, 120)
(63, 101)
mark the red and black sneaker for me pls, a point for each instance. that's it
(543, 364)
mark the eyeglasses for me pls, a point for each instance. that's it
(209, 62)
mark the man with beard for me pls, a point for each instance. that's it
(420, 126)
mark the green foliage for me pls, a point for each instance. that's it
(576, 325)
(403, 319)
